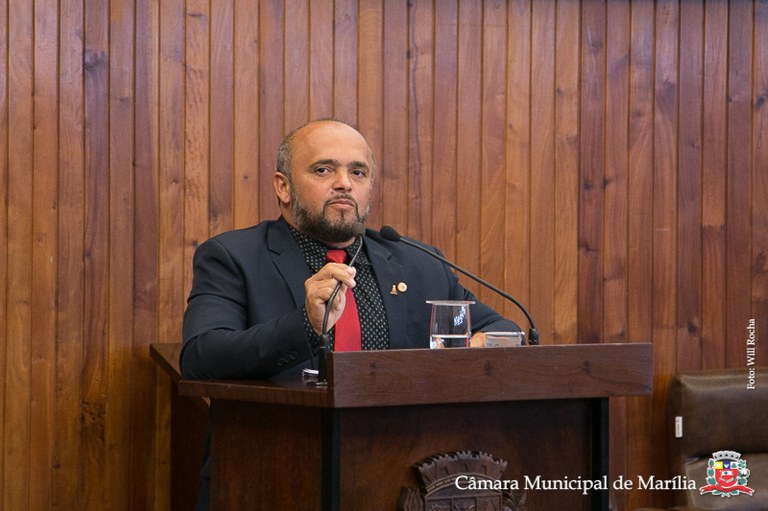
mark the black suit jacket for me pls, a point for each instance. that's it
(245, 318)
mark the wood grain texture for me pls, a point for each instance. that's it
(605, 162)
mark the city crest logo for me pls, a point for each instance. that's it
(727, 475)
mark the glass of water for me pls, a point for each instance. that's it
(449, 324)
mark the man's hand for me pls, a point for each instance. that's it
(318, 289)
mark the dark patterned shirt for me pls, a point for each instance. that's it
(374, 331)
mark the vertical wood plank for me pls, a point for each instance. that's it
(738, 181)
(469, 132)
(689, 256)
(394, 160)
(220, 164)
(71, 318)
(420, 121)
(321, 59)
(345, 93)
(148, 478)
(760, 179)
(493, 128)
(713, 200)
(118, 431)
(5, 290)
(17, 373)
(371, 86)
(518, 209)
(44, 255)
(172, 280)
(96, 249)
(639, 227)
(246, 104)
(616, 169)
(445, 195)
(566, 193)
(296, 63)
(665, 178)
(592, 173)
(197, 133)
(542, 194)
(272, 125)
(618, 34)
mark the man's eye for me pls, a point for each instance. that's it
(360, 172)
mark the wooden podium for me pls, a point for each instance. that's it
(285, 444)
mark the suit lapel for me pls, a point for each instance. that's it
(388, 274)
(288, 259)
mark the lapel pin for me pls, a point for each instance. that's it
(402, 287)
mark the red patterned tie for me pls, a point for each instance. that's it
(347, 334)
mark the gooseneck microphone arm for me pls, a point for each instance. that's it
(358, 230)
(390, 234)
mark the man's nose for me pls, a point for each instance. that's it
(342, 180)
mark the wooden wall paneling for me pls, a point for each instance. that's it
(445, 193)
(689, 200)
(518, 209)
(120, 263)
(760, 180)
(5, 289)
(197, 133)
(321, 59)
(345, 38)
(713, 184)
(393, 161)
(67, 466)
(639, 228)
(615, 274)
(296, 65)
(44, 254)
(492, 175)
(220, 163)
(170, 207)
(592, 173)
(370, 79)
(148, 451)
(615, 196)
(543, 140)
(173, 276)
(272, 126)
(246, 170)
(664, 219)
(96, 247)
(469, 135)
(420, 119)
(19, 313)
(738, 181)
(566, 184)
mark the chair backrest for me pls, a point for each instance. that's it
(720, 410)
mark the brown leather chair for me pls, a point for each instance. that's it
(713, 411)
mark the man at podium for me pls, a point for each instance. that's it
(259, 294)
(258, 299)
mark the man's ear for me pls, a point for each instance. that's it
(282, 187)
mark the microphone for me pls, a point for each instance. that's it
(390, 234)
(358, 231)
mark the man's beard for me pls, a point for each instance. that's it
(322, 228)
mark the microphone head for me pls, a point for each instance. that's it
(389, 233)
(358, 229)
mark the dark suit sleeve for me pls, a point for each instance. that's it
(221, 338)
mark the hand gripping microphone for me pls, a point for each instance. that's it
(358, 231)
(390, 234)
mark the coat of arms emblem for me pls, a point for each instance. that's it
(727, 475)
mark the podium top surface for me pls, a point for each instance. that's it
(457, 375)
